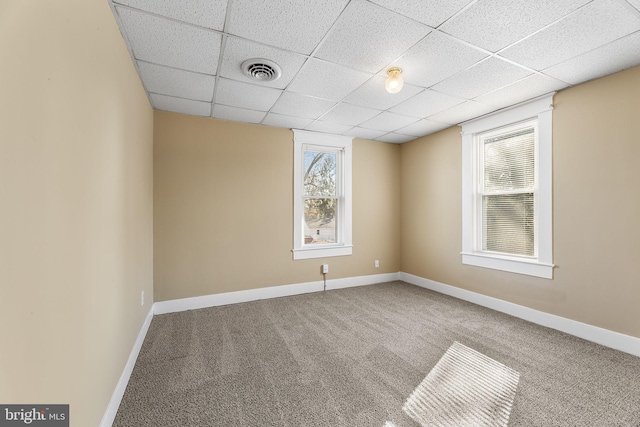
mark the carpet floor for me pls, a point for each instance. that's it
(352, 357)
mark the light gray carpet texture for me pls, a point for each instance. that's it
(352, 357)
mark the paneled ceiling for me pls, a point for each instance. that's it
(461, 59)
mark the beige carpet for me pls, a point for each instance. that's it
(464, 389)
(352, 357)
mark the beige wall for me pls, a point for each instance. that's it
(596, 140)
(75, 205)
(223, 203)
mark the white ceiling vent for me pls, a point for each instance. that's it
(261, 69)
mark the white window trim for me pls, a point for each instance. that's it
(345, 246)
(542, 266)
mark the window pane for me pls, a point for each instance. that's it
(509, 161)
(319, 173)
(508, 224)
(320, 221)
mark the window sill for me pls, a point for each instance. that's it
(513, 265)
(322, 252)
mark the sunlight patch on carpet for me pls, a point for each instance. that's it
(465, 388)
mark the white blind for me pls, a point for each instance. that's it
(508, 204)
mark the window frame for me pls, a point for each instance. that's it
(539, 109)
(342, 146)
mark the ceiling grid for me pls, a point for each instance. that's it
(460, 58)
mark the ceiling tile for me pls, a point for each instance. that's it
(293, 25)
(173, 82)
(244, 95)
(388, 122)
(350, 114)
(528, 88)
(481, 78)
(362, 133)
(327, 80)
(395, 138)
(619, 55)
(166, 42)
(368, 37)
(237, 114)
(426, 103)
(372, 94)
(596, 24)
(281, 121)
(205, 13)
(179, 105)
(237, 50)
(295, 104)
(423, 127)
(462, 112)
(432, 13)
(505, 22)
(334, 55)
(435, 58)
(328, 127)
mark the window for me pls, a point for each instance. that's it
(507, 182)
(322, 195)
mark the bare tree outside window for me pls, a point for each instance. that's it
(320, 197)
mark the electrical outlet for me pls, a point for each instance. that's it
(142, 298)
(325, 268)
(376, 263)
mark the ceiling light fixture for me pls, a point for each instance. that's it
(394, 81)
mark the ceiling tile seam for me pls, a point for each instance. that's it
(223, 47)
(458, 13)
(240, 108)
(135, 58)
(227, 16)
(170, 19)
(307, 61)
(475, 98)
(313, 55)
(543, 72)
(286, 89)
(539, 30)
(330, 30)
(310, 124)
(486, 52)
(345, 97)
(379, 6)
(127, 43)
(509, 107)
(252, 41)
(427, 27)
(216, 82)
(462, 101)
(391, 64)
(339, 64)
(319, 45)
(631, 8)
(464, 42)
(175, 68)
(251, 84)
(177, 97)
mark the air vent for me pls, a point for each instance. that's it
(261, 70)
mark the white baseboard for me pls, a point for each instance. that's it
(605, 337)
(112, 409)
(608, 338)
(214, 300)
